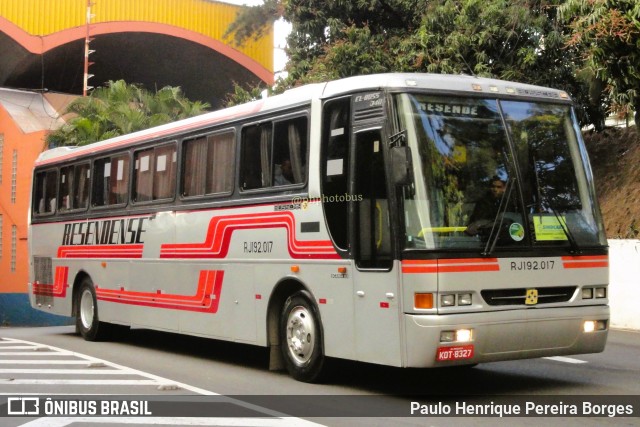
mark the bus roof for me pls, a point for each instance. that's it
(302, 95)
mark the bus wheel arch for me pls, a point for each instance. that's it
(295, 331)
(85, 310)
(283, 292)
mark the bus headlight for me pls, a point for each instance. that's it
(448, 300)
(587, 293)
(464, 299)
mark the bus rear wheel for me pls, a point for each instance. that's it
(301, 337)
(87, 321)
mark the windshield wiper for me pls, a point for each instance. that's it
(575, 248)
(502, 209)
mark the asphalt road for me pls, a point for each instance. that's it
(166, 365)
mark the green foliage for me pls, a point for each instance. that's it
(120, 108)
(607, 33)
(591, 51)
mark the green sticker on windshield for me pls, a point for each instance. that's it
(516, 231)
(549, 227)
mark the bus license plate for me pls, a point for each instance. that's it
(454, 353)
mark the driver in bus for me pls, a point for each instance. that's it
(486, 209)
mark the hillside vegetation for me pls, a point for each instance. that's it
(615, 158)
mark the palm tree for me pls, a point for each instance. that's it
(120, 108)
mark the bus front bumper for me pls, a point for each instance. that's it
(503, 335)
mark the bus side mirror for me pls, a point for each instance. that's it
(401, 165)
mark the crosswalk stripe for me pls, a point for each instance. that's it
(43, 362)
(173, 421)
(75, 382)
(67, 371)
(35, 353)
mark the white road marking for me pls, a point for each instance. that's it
(44, 362)
(76, 382)
(92, 371)
(35, 353)
(172, 421)
(566, 359)
(272, 418)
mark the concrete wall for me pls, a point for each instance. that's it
(624, 279)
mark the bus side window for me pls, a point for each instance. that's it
(208, 165)
(64, 188)
(155, 173)
(335, 163)
(255, 157)
(164, 177)
(81, 177)
(45, 192)
(290, 151)
(110, 181)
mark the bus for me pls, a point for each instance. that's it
(407, 220)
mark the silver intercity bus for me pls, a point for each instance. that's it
(409, 220)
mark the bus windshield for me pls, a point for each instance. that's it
(491, 174)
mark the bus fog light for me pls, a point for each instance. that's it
(601, 292)
(448, 300)
(447, 336)
(464, 299)
(589, 326)
(601, 325)
(463, 335)
(587, 293)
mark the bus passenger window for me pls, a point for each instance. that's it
(164, 178)
(155, 173)
(81, 191)
(45, 192)
(290, 151)
(207, 166)
(65, 187)
(255, 157)
(110, 181)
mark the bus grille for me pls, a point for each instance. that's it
(517, 296)
(43, 274)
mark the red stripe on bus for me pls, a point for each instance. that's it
(601, 264)
(586, 261)
(205, 300)
(101, 251)
(218, 238)
(461, 265)
(59, 287)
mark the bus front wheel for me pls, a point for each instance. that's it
(87, 323)
(301, 337)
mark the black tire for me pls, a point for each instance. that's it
(88, 323)
(301, 338)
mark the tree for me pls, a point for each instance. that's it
(607, 33)
(120, 108)
(519, 40)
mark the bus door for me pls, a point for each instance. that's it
(377, 330)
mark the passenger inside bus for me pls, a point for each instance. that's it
(486, 208)
(283, 173)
